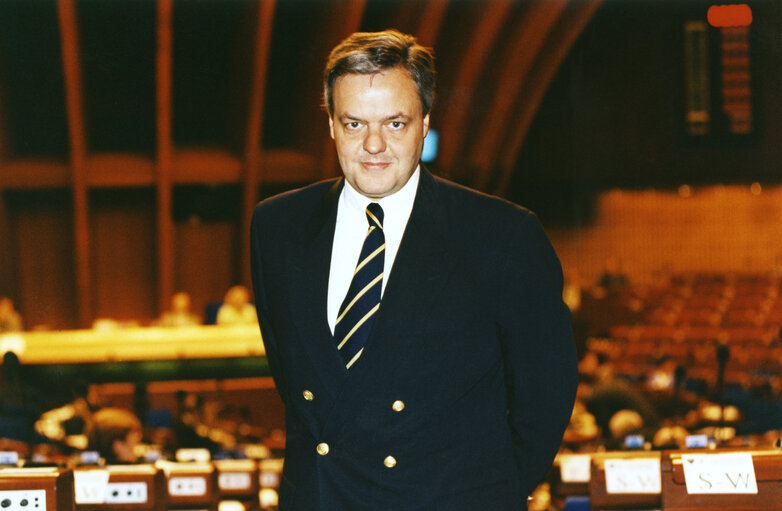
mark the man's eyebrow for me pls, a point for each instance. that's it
(348, 117)
(398, 115)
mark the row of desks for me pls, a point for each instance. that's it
(691, 480)
(153, 487)
(612, 481)
(139, 354)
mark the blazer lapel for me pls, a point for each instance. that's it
(311, 260)
(416, 277)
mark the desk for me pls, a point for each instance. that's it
(768, 473)
(139, 354)
(49, 489)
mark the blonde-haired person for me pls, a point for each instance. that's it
(236, 308)
(114, 433)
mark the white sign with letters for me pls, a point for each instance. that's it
(719, 473)
(633, 475)
(574, 468)
(90, 486)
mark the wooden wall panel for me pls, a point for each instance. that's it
(123, 271)
(716, 229)
(40, 236)
(203, 262)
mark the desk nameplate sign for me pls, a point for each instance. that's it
(727, 473)
(90, 486)
(633, 475)
(575, 468)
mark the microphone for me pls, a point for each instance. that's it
(723, 354)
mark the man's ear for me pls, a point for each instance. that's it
(426, 125)
(331, 126)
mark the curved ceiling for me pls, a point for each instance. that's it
(131, 92)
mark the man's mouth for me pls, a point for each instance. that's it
(375, 165)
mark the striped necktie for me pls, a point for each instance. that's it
(356, 314)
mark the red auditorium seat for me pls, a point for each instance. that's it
(700, 317)
(744, 317)
(749, 335)
(710, 334)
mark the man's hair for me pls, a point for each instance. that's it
(368, 53)
(107, 426)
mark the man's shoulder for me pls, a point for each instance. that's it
(303, 200)
(462, 200)
(294, 212)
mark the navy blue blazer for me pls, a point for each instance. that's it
(463, 391)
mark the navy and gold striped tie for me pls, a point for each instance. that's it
(357, 312)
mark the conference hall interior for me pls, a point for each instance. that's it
(137, 136)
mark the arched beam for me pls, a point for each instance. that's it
(527, 40)
(253, 169)
(532, 94)
(431, 22)
(453, 126)
(345, 18)
(74, 105)
(5, 233)
(163, 99)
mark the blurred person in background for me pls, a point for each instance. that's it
(66, 425)
(10, 320)
(114, 433)
(179, 314)
(18, 409)
(236, 308)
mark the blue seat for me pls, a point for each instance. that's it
(210, 312)
(577, 504)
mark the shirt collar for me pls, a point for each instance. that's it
(399, 201)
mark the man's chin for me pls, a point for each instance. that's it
(374, 189)
(372, 194)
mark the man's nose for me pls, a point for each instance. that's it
(374, 142)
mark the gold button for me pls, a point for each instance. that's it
(323, 448)
(389, 462)
(398, 406)
(309, 396)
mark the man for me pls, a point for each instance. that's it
(414, 328)
(114, 433)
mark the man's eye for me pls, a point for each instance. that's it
(396, 124)
(353, 125)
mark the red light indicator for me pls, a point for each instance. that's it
(736, 15)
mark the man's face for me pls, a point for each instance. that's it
(378, 128)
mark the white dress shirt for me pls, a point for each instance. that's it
(351, 230)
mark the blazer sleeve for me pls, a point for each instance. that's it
(261, 302)
(539, 352)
